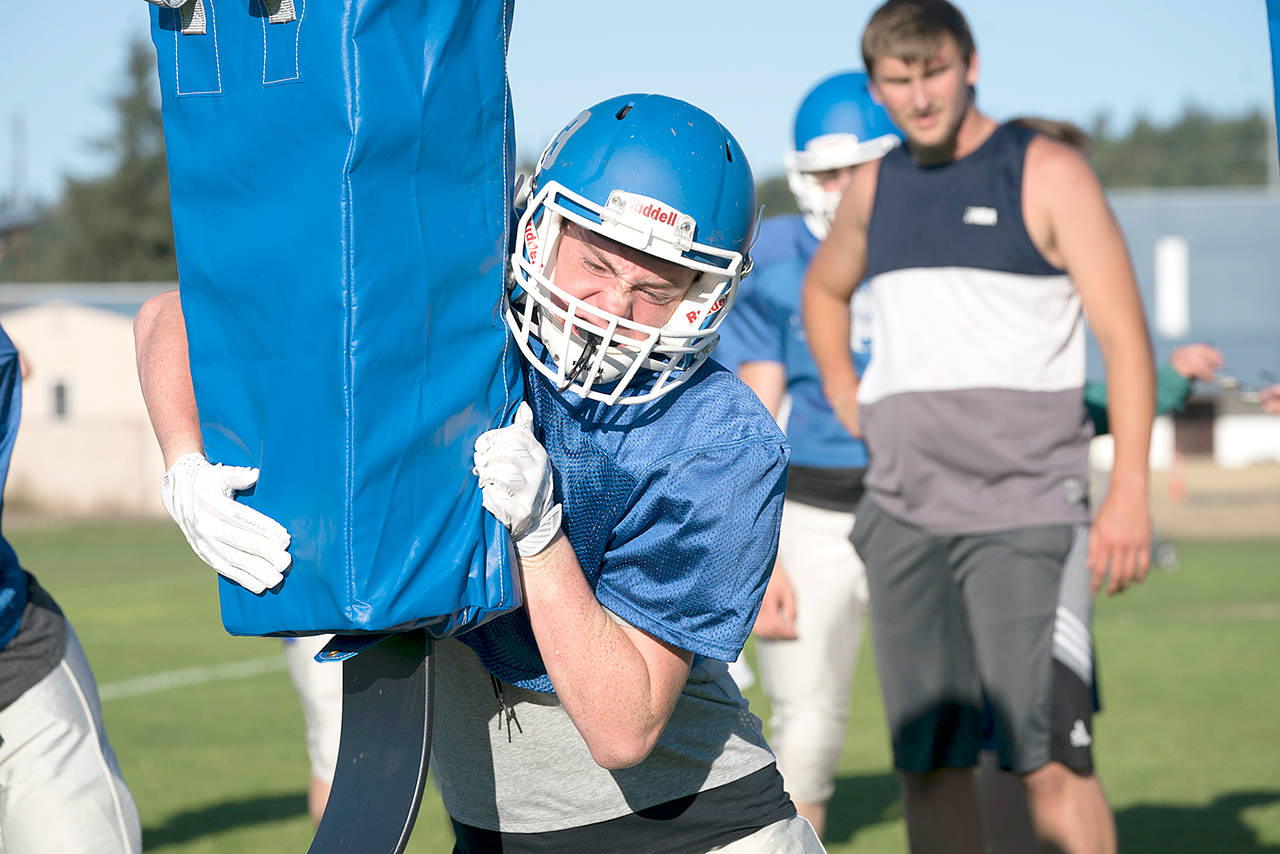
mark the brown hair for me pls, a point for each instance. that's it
(1066, 132)
(912, 31)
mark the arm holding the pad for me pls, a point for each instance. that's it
(618, 683)
(242, 544)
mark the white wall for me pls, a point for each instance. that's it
(102, 456)
(1246, 439)
(1239, 440)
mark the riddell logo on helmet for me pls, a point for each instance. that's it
(629, 207)
(692, 316)
(654, 211)
(531, 241)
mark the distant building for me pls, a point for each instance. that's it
(85, 445)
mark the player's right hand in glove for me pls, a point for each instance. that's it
(516, 482)
(242, 544)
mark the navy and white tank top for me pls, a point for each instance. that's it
(972, 406)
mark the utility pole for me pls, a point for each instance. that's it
(19, 239)
(17, 185)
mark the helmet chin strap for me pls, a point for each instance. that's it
(591, 343)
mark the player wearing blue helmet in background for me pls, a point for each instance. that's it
(838, 125)
(646, 528)
(810, 625)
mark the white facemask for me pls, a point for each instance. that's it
(588, 350)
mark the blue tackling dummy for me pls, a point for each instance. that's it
(340, 176)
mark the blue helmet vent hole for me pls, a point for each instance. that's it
(622, 114)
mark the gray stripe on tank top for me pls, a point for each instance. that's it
(975, 461)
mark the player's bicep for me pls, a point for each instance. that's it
(1108, 290)
(837, 266)
(667, 664)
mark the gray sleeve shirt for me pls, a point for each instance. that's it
(535, 773)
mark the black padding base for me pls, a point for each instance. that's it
(384, 751)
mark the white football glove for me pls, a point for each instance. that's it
(242, 544)
(516, 482)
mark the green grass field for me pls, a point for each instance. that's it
(1188, 746)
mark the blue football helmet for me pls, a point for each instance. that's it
(838, 124)
(660, 176)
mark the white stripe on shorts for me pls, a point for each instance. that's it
(1072, 644)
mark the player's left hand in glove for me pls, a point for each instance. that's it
(242, 544)
(516, 482)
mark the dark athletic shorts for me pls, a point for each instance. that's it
(981, 637)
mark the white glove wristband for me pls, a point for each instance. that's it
(242, 544)
(540, 537)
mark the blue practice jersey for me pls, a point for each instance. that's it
(672, 507)
(13, 580)
(765, 326)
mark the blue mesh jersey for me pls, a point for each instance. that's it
(672, 507)
(765, 326)
(13, 580)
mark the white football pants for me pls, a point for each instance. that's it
(319, 689)
(60, 786)
(790, 836)
(809, 679)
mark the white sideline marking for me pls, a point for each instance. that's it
(167, 679)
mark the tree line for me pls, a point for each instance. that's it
(1196, 149)
(116, 227)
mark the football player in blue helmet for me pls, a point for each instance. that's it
(642, 485)
(838, 126)
(596, 186)
(810, 625)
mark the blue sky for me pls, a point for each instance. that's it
(746, 61)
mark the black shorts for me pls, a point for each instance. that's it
(981, 638)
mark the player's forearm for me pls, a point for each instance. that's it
(1130, 406)
(164, 373)
(619, 701)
